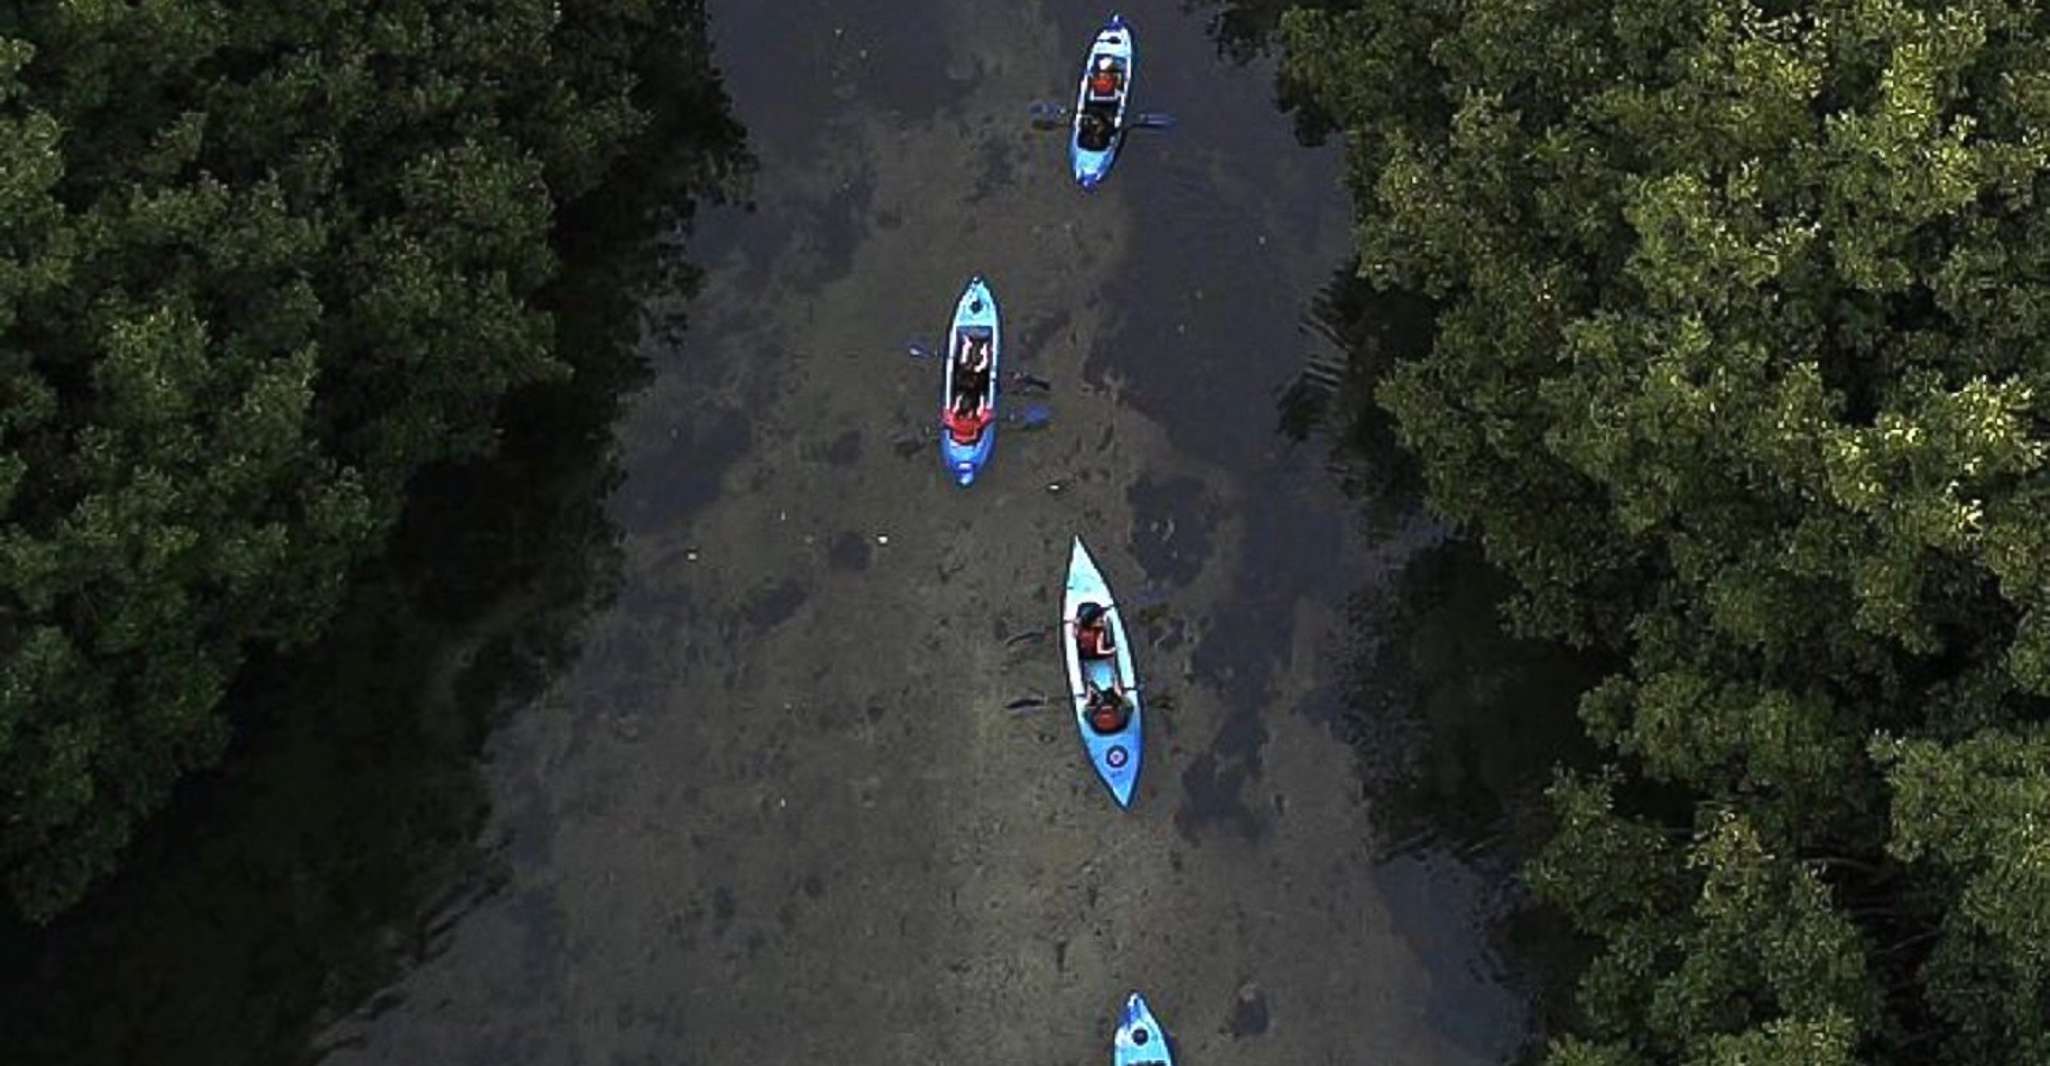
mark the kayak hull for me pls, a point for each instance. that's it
(975, 313)
(1140, 1041)
(1092, 164)
(1116, 756)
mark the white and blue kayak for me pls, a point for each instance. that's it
(975, 323)
(1139, 1040)
(1098, 129)
(1114, 754)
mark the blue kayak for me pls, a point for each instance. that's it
(1140, 1041)
(1098, 129)
(974, 325)
(1115, 754)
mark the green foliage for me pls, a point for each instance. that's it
(259, 268)
(1738, 371)
(1979, 811)
(1719, 952)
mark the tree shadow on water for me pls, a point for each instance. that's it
(1246, 30)
(1457, 723)
(1331, 399)
(1459, 726)
(1461, 722)
(338, 841)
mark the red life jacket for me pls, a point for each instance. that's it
(1103, 83)
(964, 429)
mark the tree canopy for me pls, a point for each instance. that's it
(260, 265)
(1739, 370)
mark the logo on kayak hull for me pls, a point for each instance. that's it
(1115, 757)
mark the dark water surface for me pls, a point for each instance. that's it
(780, 810)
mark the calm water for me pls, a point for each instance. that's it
(779, 811)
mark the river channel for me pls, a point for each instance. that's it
(783, 809)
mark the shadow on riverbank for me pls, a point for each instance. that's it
(338, 842)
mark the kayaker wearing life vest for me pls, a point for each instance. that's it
(1104, 82)
(1108, 711)
(965, 420)
(1092, 632)
(967, 415)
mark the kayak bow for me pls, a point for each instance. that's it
(1097, 131)
(1139, 1040)
(1115, 755)
(975, 317)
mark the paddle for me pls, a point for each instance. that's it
(1016, 377)
(1047, 115)
(1034, 417)
(1037, 416)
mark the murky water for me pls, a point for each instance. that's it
(780, 811)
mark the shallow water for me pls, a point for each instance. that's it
(781, 810)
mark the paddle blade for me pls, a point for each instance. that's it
(1153, 120)
(1034, 417)
(916, 350)
(1046, 115)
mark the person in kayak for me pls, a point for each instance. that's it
(1095, 132)
(965, 420)
(1108, 711)
(1104, 82)
(1092, 632)
(971, 372)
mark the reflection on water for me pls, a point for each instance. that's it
(339, 840)
(1462, 722)
(1458, 724)
(1331, 399)
(1246, 29)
